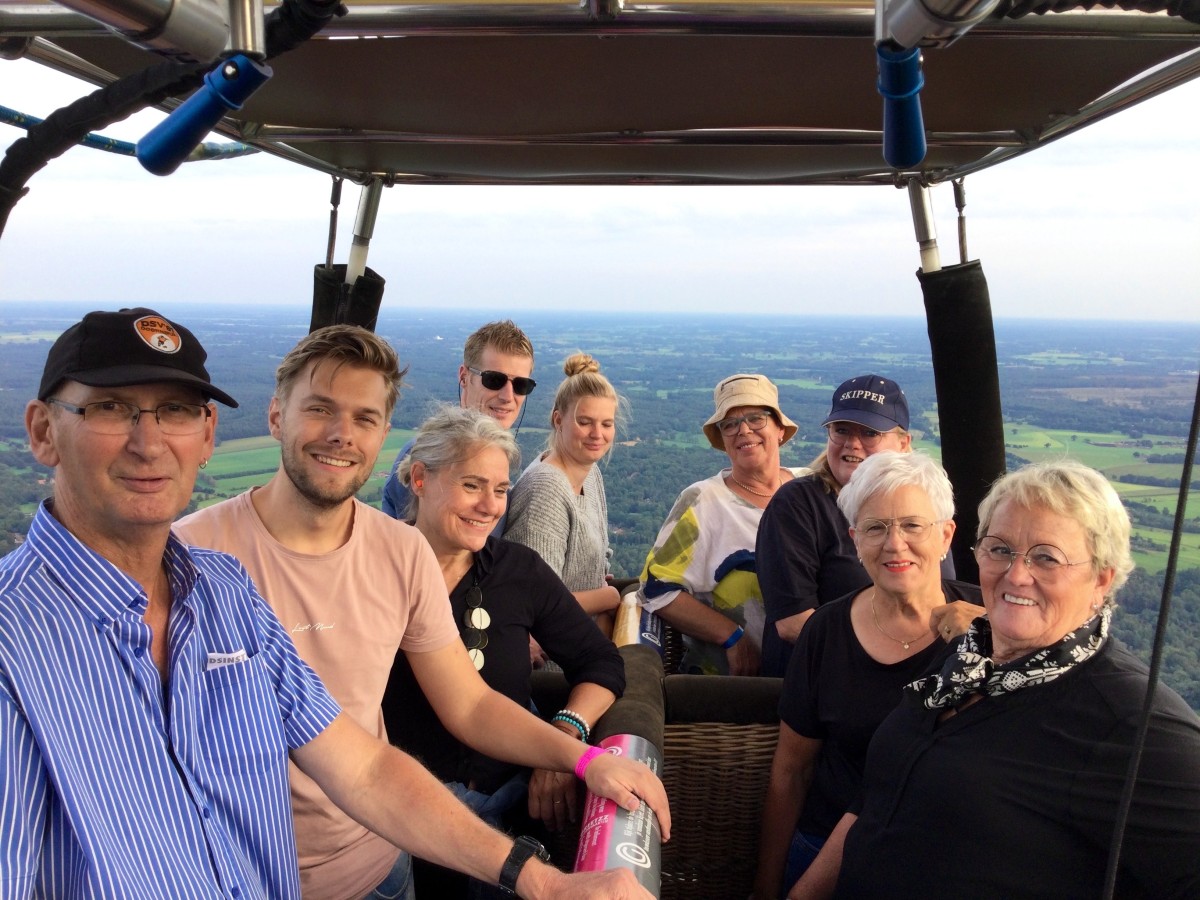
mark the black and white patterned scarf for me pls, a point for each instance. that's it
(970, 670)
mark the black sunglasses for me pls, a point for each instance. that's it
(494, 381)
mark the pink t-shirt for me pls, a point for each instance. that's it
(347, 612)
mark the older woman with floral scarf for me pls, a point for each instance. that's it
(1001, 772)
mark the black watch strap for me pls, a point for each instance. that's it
(523, 848)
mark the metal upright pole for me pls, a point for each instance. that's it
(364, 228)
(922, 213)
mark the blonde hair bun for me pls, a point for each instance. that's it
(580, 363)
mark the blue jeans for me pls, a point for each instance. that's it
(398, 885)
(491, 808)
(801, 853)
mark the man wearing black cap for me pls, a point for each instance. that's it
(149, 698)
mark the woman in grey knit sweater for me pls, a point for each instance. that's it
(557, 507)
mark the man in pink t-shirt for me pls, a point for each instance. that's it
(353, 586)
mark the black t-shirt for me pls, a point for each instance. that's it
(1016, 795)
(522, 596)
(804, 557)
(835, 692)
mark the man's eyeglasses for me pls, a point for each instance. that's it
(495, 381)
(115, 417)
(913, 529)
(756, 421)
(475, 622)
(840, 433)
(1042, 560)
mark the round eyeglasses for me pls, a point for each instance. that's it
(495, 381)
(841, 434)
(755, 421)
(1042, 560)
(115, 417)
(912, 529)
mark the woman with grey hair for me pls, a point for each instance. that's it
(855, 655)
(1001, 772)
(500, 594)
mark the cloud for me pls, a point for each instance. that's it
(1101, 224)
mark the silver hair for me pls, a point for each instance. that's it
(884, 472)
(449, 436)
(1070, 489)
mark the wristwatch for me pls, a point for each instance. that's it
(523, 848)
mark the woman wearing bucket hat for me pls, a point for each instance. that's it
(806, 557)
(700, 575)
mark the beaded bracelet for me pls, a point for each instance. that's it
(578, 718)
(584, 761)
(733, 638)
(574, 718)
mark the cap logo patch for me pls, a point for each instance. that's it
(158, 334)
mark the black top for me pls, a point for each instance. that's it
(1015, 796)
(522, 596)
(805, 558)
(835, 692)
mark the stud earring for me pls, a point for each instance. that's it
(943, 557)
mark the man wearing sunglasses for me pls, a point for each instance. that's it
(354, 588)
(494, 378)
(150, 700)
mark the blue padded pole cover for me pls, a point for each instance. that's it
(900, 83)
(226, 87)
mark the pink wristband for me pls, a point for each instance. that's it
(584, 761)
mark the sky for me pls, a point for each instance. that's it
(1104, 224)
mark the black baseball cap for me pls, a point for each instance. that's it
(132, 346)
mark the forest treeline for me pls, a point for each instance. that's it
(666, 369)
(1136, 619)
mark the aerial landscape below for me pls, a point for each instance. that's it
(1116, 398)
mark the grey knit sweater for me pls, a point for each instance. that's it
(568, 530)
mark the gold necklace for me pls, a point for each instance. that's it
(751, 490)
(875, 616)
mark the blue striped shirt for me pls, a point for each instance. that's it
(108, 789)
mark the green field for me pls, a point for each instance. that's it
(239, 465)
(1061, 358)
(806, 384)
(1125, 457)
(27, 337)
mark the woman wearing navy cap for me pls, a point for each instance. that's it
(804, 551)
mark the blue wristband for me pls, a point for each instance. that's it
(733, 638)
